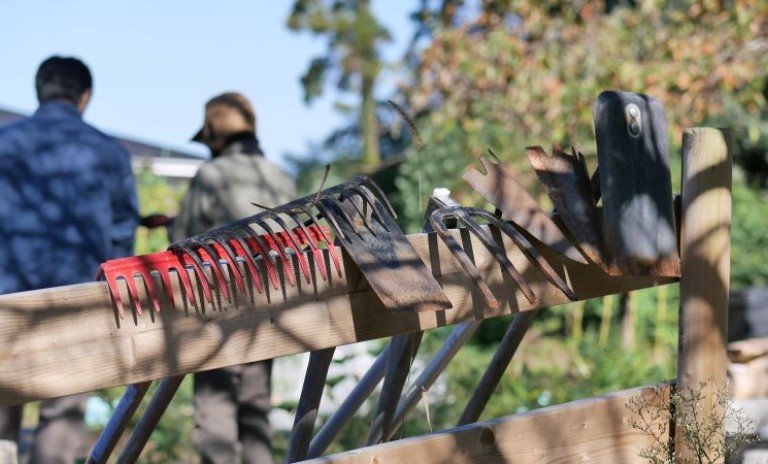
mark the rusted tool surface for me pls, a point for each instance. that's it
(445, 210)
(568, 185)
(499, 186)
(382, 252)
(636, 186)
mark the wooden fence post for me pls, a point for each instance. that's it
(705, 259)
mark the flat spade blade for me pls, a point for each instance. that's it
(636, 186)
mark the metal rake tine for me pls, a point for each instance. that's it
(359, 210)
(296, 247)
(315, 220)
(279, 248)
(249, 261)
(366, 194)
(343, 212)
(532, 254)
(378, 193)
(311, 242)
(496, 251)
(326, 238)
(436, 219)
(206, 282)
(269, 260)
(331, 219)
(332, 223)
(232, 257)
(215, 264)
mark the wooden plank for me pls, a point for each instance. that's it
(705, 254)
(66, 340)
(595, 430)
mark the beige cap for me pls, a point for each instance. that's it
(226, 114)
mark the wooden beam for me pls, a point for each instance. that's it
(596, 430)
(66, 340)
(705, 260)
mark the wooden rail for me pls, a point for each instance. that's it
(596, 430)
(68, 339)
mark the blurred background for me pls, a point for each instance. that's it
(412, 92)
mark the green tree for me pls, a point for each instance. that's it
(353, 35)
(530, 71)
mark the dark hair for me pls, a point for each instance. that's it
(62, 78)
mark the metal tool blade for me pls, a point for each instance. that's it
(382, 252)
(636, 186)
(568, 185)
(503, 191)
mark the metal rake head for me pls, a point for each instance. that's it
(472, 219)
(276, 235)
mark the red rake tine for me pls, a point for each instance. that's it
(318, 229)
(260, 246)
(286, 262)
(189, 255)
(245, 252)
(213, 261)
(222, 243)
(128, 269)
(306, 237)
(293, 244)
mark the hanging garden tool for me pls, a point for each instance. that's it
(635, 184)
(569, 187)
(443, 210)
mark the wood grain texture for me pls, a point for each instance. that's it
(66, 340)
(595, 430)
(705, 259)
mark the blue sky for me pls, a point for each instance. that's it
(156, 63)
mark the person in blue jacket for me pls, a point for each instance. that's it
(67, 203)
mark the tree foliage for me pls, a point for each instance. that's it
(353, 35)
(532, 69)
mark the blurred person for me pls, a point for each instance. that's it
(231, 404)
(68, 204)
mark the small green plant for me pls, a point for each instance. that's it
(682, 415)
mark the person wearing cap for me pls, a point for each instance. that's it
(231, 404)
(69, 204)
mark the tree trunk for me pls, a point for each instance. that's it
(369, 125)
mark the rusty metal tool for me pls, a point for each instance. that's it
(444, 209)
(500, 187)
(636, 185)
(365, 223)
(568, 185)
